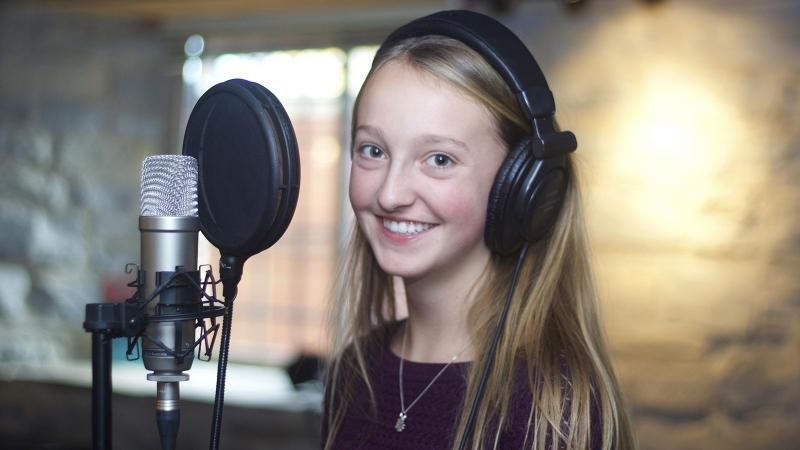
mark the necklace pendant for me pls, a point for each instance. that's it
(400, 425)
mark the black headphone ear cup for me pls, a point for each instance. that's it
(501, 235)
(539, 197)
(525, 199)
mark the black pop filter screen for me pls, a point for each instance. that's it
(248, 164)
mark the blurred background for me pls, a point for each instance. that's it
(688, 120)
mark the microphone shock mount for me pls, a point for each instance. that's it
(182, 297)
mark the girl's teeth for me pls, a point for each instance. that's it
(405, 227)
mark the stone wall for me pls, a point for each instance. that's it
(84, 100)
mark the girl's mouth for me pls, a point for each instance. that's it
(405, 227)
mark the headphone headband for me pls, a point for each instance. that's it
(501, 48)
(506, 53)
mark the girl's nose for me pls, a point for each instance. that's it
(396, 191)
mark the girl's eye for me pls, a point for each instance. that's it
(371, 151)
(439, 160)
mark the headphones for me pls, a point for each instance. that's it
(530, 186)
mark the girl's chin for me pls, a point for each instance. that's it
(407, 269)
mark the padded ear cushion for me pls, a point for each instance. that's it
(538, 197)
(500, 234)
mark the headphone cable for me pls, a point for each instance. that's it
(490, 358)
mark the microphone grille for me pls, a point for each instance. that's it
(169, 186)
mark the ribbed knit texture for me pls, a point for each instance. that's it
(431, 422)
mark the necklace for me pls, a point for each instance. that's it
(400, 425)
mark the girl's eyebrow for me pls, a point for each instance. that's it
(371, 130)
(428, 138)
(437, 139)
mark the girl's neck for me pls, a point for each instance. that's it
(437, 318)
(435, 334)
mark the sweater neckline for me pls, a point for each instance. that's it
(409, 363)
(416, 369)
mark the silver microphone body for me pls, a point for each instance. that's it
(167, 243)
(168, 225)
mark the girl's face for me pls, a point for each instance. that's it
(424, 159)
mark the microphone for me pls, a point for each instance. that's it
(238, 182)
(169, 226)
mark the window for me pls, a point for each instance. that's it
(284, 292)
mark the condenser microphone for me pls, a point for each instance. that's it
(169, 226)
(238, 182)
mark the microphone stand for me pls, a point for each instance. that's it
(106, 321)
(101, 389)
(128, 319)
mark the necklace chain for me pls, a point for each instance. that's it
(400, 425)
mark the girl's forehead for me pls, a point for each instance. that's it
(402, 107)
(399, 88)
(400, 70)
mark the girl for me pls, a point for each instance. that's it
(432, 126)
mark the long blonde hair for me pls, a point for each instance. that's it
(552, 325)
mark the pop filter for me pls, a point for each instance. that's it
(248, 167)
(247, 186)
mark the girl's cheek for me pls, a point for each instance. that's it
(360, 190)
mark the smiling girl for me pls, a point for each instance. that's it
(432, 126)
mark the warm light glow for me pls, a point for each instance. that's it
(674, 114)
(678, 137)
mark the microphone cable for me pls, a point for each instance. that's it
(490, 358)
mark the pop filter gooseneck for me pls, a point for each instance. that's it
(248, 183)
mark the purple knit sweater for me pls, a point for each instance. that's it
(431, 421)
